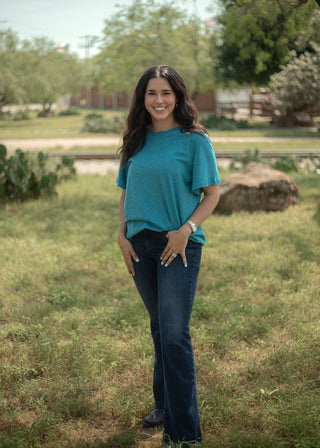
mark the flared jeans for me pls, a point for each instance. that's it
(168, 294)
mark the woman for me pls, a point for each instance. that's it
(167, 162)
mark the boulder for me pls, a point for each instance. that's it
(257, 187)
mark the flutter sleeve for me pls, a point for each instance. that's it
(205, 170)
(122, 176)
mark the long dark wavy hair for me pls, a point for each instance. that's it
(139, 118)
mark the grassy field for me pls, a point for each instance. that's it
(76, 354)
(70, 126)
(57, 126)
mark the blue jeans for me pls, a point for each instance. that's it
(168, 294)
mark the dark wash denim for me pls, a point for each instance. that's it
(168, 294)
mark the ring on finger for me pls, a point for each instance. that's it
(173, 255)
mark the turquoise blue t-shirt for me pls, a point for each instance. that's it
(164, 181)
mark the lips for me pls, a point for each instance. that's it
(159, 109)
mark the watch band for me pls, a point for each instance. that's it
(194, 228)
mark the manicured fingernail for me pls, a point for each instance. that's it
(185, 265)
(137, 260)
(133, 275)
(161, 263)
(166, 265)
(160, 258)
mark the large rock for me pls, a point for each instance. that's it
(257, 187)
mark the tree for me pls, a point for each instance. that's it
(255, 37)
(296, 88)
(48, 73)
(35, 71)
(10, 88)
(147, 34)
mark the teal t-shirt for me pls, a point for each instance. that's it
(163, 181)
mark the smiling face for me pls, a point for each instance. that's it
(160, 101)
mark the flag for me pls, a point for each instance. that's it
(64, 47)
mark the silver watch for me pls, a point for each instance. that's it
(194, 228)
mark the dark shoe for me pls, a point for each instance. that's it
(155, 418)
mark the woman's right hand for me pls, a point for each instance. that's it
(128, 253)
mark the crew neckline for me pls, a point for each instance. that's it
(163, 132)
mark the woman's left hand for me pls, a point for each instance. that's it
(177, 242)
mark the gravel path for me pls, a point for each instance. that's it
(103, 166)
(96, 166)
(65, 143)
(70, 142)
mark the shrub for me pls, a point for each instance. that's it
(23, 177)
(314, 164)
(20, 115)
(14, 116)
(67, 112)
(47, 113)
(240, 162)
(286, 164)
(296, 88)
(212, 121)
(97, 123)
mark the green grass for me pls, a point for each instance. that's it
(289, 146)
(307, 145)
(70, 126)
(57, 126)
(76, 355)
(266, 131)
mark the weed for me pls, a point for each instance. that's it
(96, 123)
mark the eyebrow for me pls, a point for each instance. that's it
(163, 90)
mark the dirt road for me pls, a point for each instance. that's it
(103, 166)
(70, 142)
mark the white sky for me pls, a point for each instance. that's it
(66, 21)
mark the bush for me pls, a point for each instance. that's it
(97, 123)
(296, 89)
(314, 164)
(286, 164)
(45, 113)
(23, 177)
(15, 116)
(212, 121)
(67, 112)
(240, 162)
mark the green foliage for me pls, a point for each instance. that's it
(314, 165)
(98, 124)
(148, 33)
(68, 112)
(45, 112)
(296, 88)
(240, 162)
(23, 177)
(34, 71)
(255, 37)
(11, 70)
(286, 164)
(21, 332)
(19, 115)
(212, 121)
